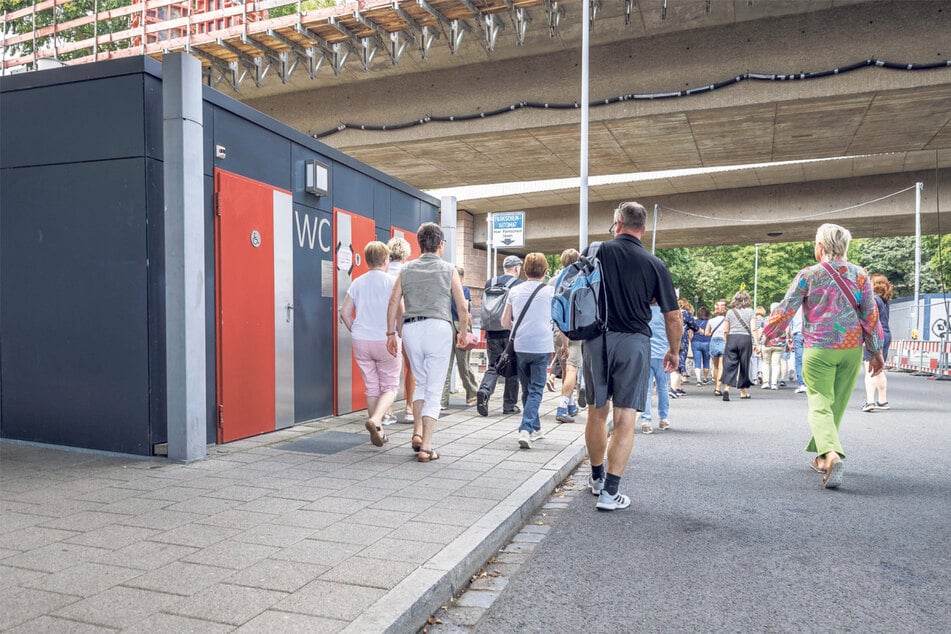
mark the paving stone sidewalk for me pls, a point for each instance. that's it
(262, 538)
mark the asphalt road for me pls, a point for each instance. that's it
(729, 529)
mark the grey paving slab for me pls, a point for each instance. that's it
(18, 605)
(275, 622)
(313, 551)
(231, 554)
(180, 578)
(203, 505)
(84, 579)
(308, 519)
(113, 537)
(196, 535)
(351, 533)
(331, 600)
(403, 503)
(341, 505)
(231, 604)
(243, 493)
(276, 574)
(55, 625)
(162, 623)
(117, 607)
(374, 573)
(11, 577)
(236, 518)
(12, 520)
(161, 519)
(303, 491)
(273, 505)
(382, 517)
(144, 555)
(394, 549)
(32, 537)
(54, 557)
(432, 533)
(274, 535)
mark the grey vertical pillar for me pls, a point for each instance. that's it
(447, 220)
(184, 258)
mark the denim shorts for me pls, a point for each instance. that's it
(717, 347)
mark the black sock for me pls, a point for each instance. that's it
(597, 472)
(611, 483)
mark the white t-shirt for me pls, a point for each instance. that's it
(370, 294)
(534, 333)
(717, 324)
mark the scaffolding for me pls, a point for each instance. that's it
(240, 39)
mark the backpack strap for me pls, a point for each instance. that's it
(511, 282)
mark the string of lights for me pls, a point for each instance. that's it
(790, 218)
(877, 63)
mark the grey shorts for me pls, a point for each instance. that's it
(628, 366)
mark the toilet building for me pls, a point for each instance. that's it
(85, 249)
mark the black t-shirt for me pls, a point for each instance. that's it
(632, 278)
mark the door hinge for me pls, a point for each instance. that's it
(217, 204)
(220, 417)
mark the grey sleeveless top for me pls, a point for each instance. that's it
(427, 288)
(736, 326)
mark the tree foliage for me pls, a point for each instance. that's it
(64, 13)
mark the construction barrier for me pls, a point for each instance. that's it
(920, 356)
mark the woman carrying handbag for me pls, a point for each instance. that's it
(531, 341)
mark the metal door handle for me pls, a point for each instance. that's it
(289, 307)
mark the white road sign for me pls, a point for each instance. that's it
(508, 229)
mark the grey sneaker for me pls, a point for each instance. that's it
(608, 502)
(596, 485)
(882, 405)
(868, 407)
(524, 440)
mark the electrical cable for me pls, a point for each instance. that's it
(877, 63)
(789, 218)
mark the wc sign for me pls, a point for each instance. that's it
(508, 229)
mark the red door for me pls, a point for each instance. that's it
(247, 213)
(351, 234)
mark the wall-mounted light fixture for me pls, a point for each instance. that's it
(316, 178)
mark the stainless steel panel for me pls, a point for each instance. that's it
(344, 343)
(283, 310)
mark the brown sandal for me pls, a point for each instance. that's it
(377, 437)
(816, 466)
(427, 455)
(416, 445)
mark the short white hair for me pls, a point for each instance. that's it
(834, 240)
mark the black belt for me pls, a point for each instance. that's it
(410, 320)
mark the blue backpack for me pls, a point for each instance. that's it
(579, 307)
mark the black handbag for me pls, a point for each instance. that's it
(507, 363)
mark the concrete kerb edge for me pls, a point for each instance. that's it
(427, 589)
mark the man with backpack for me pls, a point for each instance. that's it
(617, 362)
(496, 337)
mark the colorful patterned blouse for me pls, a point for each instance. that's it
(829, 321)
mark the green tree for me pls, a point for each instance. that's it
(64, 13)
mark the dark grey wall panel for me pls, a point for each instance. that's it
(155, 222)
(352, 190)
(313, 314)
(381, 205)
(427, 212)
(404, 211)
(83, 121)
(252, 151)
(154, 130)
(75, 305)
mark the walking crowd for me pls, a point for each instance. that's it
(832, 322)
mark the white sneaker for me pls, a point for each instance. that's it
(536, 435)
(774, 387)
(608, 502)
(764, 386)
(524, 440)
(596, 486)
(801, 389)
(388, 419)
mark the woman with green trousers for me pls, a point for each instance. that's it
(839, 318)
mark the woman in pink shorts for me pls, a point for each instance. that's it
(369, 295)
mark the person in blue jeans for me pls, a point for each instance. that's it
(533, 341)
(657, 376)
(701, 348)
